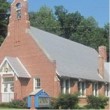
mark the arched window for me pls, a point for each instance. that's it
(18, 10)
(18, 5)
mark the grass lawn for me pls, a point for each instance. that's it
(11, 109)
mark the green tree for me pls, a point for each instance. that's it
(85, 31)
(44, 19)
(68, 21)
(107, 39)
(4, 6)
(97, 102)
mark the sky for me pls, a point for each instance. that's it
(99, 9)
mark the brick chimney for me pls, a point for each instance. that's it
(102, 59)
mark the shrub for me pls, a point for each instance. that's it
(17, 104)
(4, 105)
(97, 102)
(65, 101)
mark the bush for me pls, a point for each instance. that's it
(17, 104)
(97, 102)
(14, 104)
(66, 101)
(4, 105)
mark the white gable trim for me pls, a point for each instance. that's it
(23, 67)
(5, 59)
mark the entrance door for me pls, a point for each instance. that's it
(7, 90)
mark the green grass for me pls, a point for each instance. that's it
(11, 108)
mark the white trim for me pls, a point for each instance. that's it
(2, 86)
(58, 73)
(13, 2)
(100, 76)
(64, 86)
(69, 87)
(95, 83)
(4, 72)
(5, 59)
(107, 92)
(23, 67)
(34, 82)
(80, 87)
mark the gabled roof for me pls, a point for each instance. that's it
(17, 67)
(72, 59)
(35, 92)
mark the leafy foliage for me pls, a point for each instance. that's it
(4, 6)
(18, 104)
(44, 19)
(65, 101)
(14, 104)
(97, 102)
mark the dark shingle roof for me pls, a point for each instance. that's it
(72, 59)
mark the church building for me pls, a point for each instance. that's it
(31, 59)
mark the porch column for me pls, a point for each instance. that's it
(64, 86)
(69, 86)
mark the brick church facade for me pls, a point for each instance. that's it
(31, 59)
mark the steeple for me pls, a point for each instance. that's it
(19, 12)
(19, 20)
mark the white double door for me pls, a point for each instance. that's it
(7, 92)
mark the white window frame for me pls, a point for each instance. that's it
(107, 90)
(68, 86)
(35, 86)
(8, 85)
(64, 86)
(81, 89)
(94, 89)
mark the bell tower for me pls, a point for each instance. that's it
(18, 21)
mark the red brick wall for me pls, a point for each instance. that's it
(102, 59)
(74, 86)
(101, 89)
(88, 88)
(19, 43)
